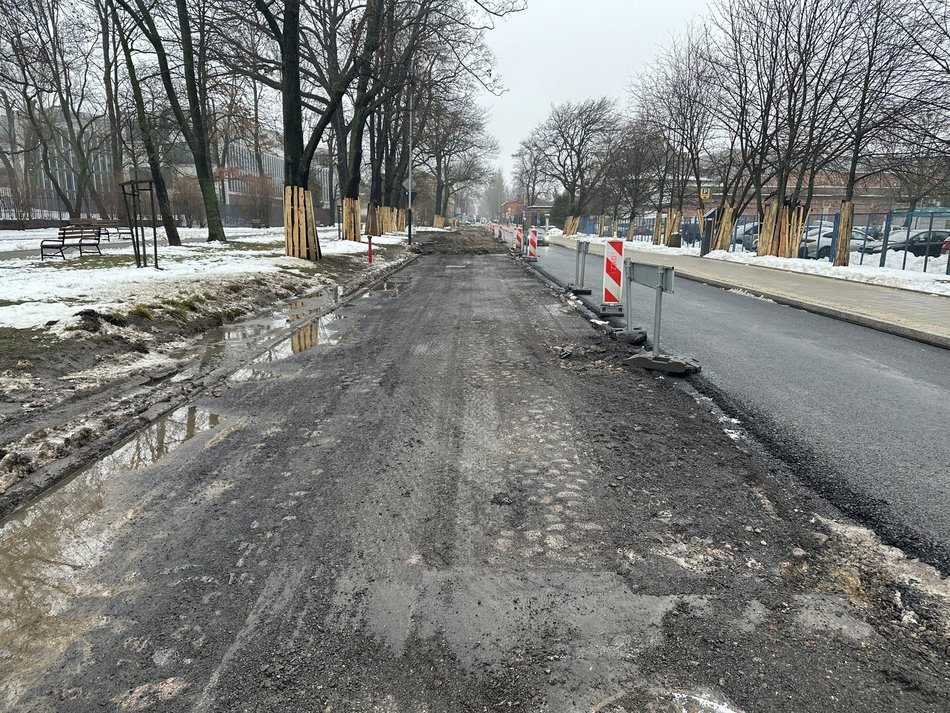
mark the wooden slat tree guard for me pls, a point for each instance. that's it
(845, 223)
(352, 225)
(300, 229)
(724, 234)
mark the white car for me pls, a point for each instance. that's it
(816, 242)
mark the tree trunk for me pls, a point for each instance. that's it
(200, 148)
(151, 152)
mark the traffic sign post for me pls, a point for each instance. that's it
(660, 279)
(582, 247)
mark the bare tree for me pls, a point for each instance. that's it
(179, 39)
(575, 142)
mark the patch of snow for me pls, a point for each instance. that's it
(746, 293)
(14, 240)
(934, 281)
(47, 293)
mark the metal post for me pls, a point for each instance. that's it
(910, 219)
(151, 194)
(628, 296)
(656, 320)
(586, 245)
(577, 266)
(409, 210)
(930, 230)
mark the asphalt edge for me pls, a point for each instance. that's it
(899, 330)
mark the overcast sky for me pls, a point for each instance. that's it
(561, 50)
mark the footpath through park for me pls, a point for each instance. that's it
(906, 313)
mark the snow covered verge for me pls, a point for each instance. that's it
(88, 343)
(34, 293)
(934, 281)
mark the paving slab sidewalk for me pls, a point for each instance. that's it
(915, 315)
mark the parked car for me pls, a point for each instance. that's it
(918, 242)
(946, 248)
(747, 235)
(816, 242)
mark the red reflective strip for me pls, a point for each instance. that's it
(610, 297)
(613, 272)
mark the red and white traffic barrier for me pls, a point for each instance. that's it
(532, 245)
(519, 239)
(613, 278)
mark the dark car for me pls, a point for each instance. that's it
(917, 242)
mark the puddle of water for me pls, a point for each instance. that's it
(239, 337)
(395, 287)
(248, 374)
(322, 331)
(44, 546)
(673, 702)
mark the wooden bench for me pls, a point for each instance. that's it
(82, 237)
(107, 228)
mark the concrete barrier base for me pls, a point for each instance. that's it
(674, 365)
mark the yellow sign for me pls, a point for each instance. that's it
(705, 194)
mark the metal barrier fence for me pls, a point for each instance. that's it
(903, 240)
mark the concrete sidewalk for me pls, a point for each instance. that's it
(915, 315)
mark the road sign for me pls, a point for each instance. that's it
(705, 193)
(407, 183)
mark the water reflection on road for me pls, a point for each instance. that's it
(45, 547)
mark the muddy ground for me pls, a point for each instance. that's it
(69, 395)
(463, 499)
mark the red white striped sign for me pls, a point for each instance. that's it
(533, 244)
(519, 239)
(613, 271)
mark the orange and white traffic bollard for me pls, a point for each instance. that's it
(613, 279)
(519, 239)
(532, 245)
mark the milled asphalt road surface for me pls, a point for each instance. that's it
(450, 495)
(864, 414)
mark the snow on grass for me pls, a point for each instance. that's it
(34, 292)
(934, 281)
(16, 240)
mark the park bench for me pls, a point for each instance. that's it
(107, 228)
(81, 237)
